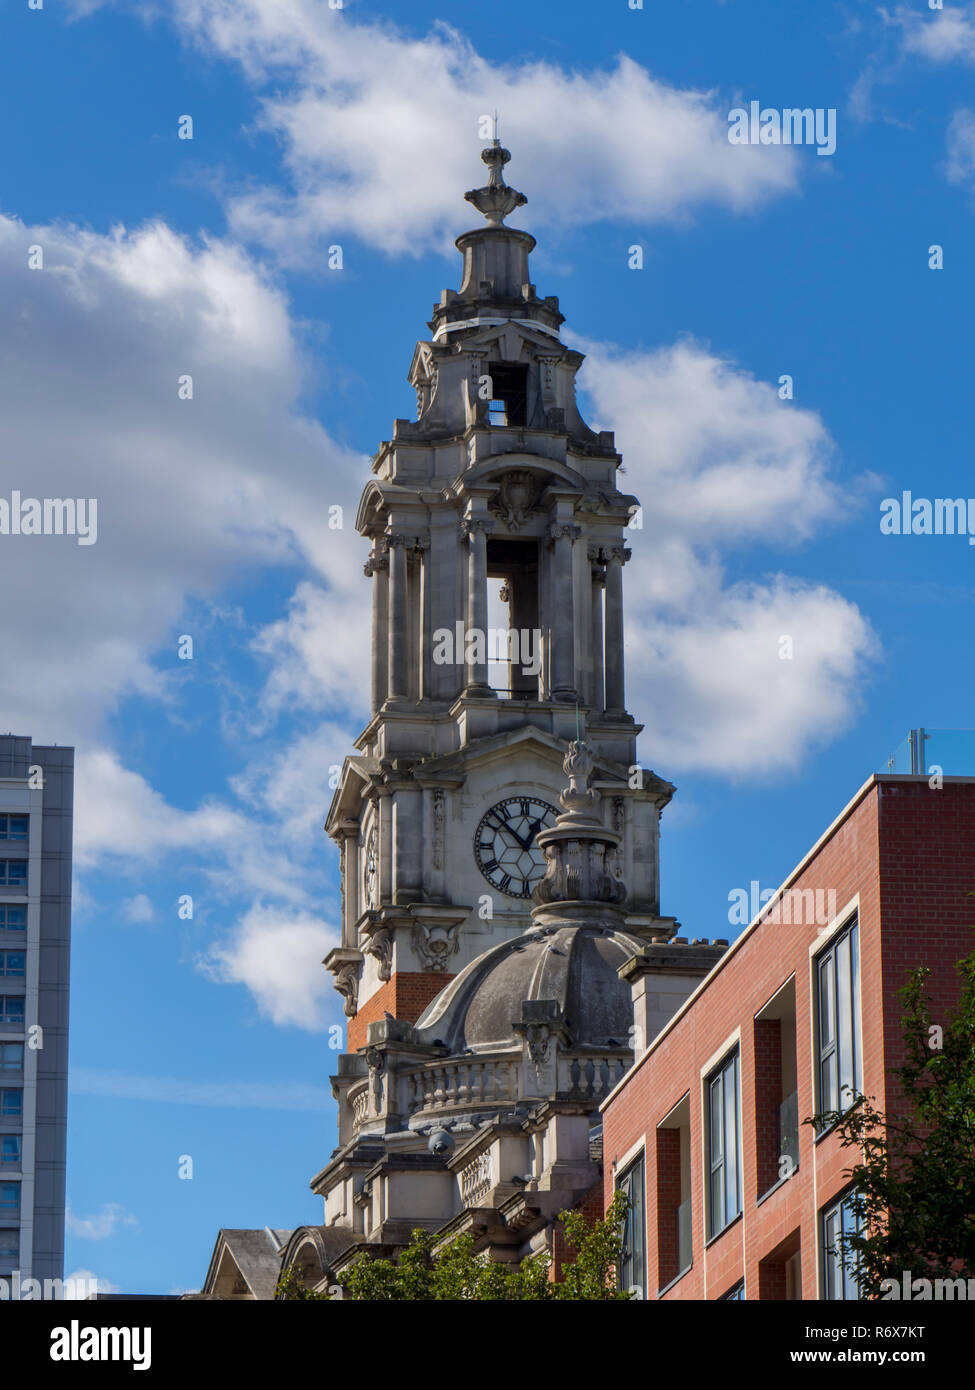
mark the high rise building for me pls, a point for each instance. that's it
(36, 795)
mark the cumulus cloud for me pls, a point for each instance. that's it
(359, 109)
(961, 147)
(233, 479)
(943, 36)
(138, 909)
(102, 1225)
(720, 462)
(80, 1283)
(278, 957)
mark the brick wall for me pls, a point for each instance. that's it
(768, 1096)
(668, 1200)
(405, 995)
(908, 853)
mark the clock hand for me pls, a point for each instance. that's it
(511, 830)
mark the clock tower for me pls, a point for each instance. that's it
(498, 539)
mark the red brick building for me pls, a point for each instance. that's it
(734, 1196)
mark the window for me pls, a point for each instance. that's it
(9, 1245)
(840, 1221)
(509, 393)
(838, 1014)
(12, 1008)
(13, 827)
(735, 1295)
(11, 1056)
(13, 873)
(674, 1247)
(10, 1148)
(775, 1090)
(11, 1104)
(633, 1262)
(9, 1198)
(12, 917)
(724, 1144)
(13, 963)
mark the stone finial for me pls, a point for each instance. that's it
(578, 798)
(580, 850)
(495, 200)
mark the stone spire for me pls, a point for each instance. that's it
(495, 200)
(580, 851)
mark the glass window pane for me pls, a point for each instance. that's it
(717, 1133)
(826, 1000)
(731, 1139)
(844, 1010)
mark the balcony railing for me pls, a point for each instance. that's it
(789, 1130)
(924, 750)
(684, 1247)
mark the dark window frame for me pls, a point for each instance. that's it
(719, 1215)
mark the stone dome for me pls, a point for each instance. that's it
(571, 969)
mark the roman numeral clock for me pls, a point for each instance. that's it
(504, 844)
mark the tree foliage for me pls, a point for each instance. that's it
(913, 1188)
(429, 1269)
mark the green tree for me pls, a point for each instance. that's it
(456, 1271)
(913, 1189)
(290, 1287)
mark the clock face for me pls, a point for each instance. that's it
(371, 875)
(504, 844)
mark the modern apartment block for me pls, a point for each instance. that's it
(734, 1196)
(36, 791)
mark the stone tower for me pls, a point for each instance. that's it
(497, 485)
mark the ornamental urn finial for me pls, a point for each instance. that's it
(495, 200)
(581, 864)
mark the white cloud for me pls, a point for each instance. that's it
(961, 147)
(380, 138)
(720, 462)
(82, 1282)
(231, 480)
(943, 36)
(278, 956)
(233, 1095)
(102, 1225)
(138, 909)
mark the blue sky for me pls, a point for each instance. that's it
(313, 127)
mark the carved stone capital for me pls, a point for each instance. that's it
(471, 525)
(559, 530)
(377, 562)
(618, 552)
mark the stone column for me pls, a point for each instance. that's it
(598, 580)
(615, 697)
(426, 619)
(385, 818)
(398, 681)
(349, 851)
(561, 618)
(377, 568)
(476, 530)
